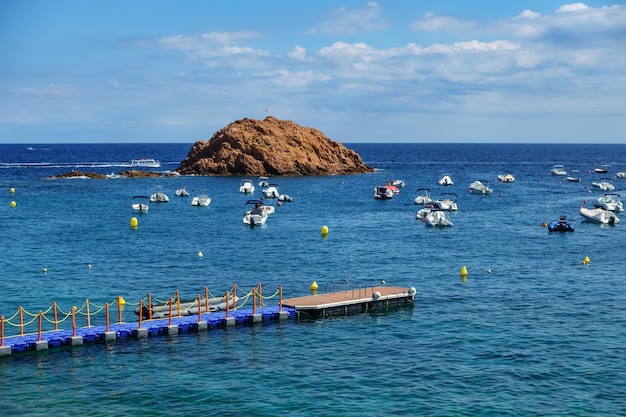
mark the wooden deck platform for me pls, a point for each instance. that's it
(351, 301)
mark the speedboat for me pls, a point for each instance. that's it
(599, 215)
(423, 196)
(285, 197)
(611, 202)
(574, 176)
(201, 200)
(445, 201)
(246, 187)
(558, 169)
(159, 197)
(603, 184)
(257, 216)
(393, 189)
(181, 192)
(141, 203)
(271, 191)
(264, 181)
(621, 174)
(145, 163)
(396, 183)
(603, 169)
(382, 192)
(480, 187)
(438, 218)
(506, 178)
(560, 225)
(445, 180)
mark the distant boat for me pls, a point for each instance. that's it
(602, 169)
(558, 169)
(145, 163)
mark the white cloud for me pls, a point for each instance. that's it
(574, 7)
(298, 53)
(348, 21)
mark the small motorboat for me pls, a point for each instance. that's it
(599, 215)
(445, 201)
(506, 178)
(423, 196)
(611, 202)
(159, 197)
(271, 191)
(560, 225)
(480, 187)
(438, 218)
(621, 174)
(574, 176)
(246, 187)
(603, 169)
(145, 163)
(141, 203)
(393, 189)
(382, 192)
(257, 216)
(201, 200)
(286, 198)
(445, 180)
(558, 169)
(264, 181)
(181, 192)
(604, 184)
(396, 183)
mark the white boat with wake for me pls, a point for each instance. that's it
(145, 163)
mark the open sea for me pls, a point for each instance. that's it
(531, 329)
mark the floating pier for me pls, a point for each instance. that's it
(182, 319)
(351, 301)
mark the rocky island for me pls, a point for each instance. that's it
(270, 147)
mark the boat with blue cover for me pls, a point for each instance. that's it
(560, 225)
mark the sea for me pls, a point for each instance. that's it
(532, 329)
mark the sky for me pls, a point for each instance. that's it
(404, 71)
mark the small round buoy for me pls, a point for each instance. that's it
(12, 190)
(45, 270)
(324, 230)
(585, 201)
(280, 203)
(500, 194)
(463, 271)
(382, 281)
(586, 260)
(314, 286)
(133, 222)
(412, 291)
(376, 295)
(200, 255)
(489, 271)
(544, 224)
(88, 266)
(13, 204)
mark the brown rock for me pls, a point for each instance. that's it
(270, 147)
(74, 174)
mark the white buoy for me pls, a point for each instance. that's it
(200, 255)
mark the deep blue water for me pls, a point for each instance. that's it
(530, 331)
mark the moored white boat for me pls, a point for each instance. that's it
(201, 200)
(558, 169)
(621, 174)
(574, 176)
(246, 187)
(603, 169)
(506, 178)
(423, 196)
(604, 184)
(396, 183)
(181, 192)
(445, 180)
(159, 197)
(599, 215)
(256, 216)
(264, 181)
(480, 187)
(438, 218)
(382, 192)
(445, 201)
(271, 191)
(141, 203)
(611, 202)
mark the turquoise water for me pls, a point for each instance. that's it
(530, 331)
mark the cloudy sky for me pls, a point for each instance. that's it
(380, 71)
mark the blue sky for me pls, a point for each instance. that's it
(385, 71)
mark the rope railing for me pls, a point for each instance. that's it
(88, 314)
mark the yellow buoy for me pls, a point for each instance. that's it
(314, 286)
(13, 204)
(133, 222)
(121, 300)
(463, 271)
(586, 260)
(200, 254)
(12, 190)
(324, 230)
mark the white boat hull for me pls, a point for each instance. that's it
(437, 218)
(599, 215)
